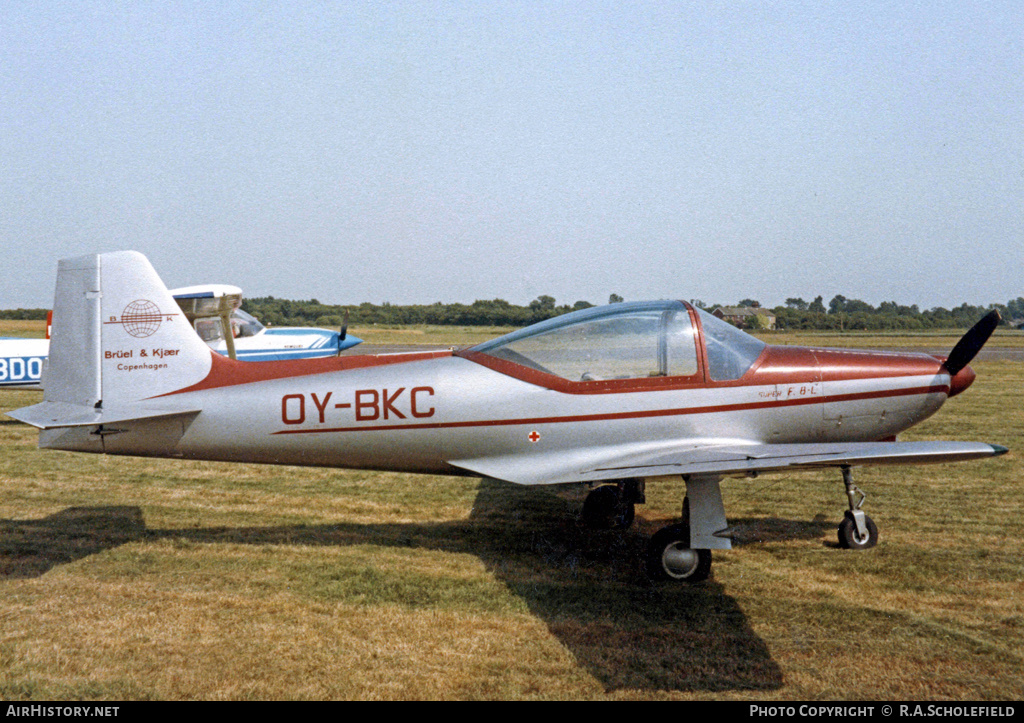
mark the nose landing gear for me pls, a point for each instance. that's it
(857, 531)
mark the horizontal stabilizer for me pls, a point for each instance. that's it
(727, 460)
(56, 415)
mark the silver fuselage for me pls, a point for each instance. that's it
(418, 414)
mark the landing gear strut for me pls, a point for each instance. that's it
(857, 531)
(682, 552)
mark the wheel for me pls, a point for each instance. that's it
(849, 538)
(605, 509)
(670, 557)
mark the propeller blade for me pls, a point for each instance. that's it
(971, 342)
(344, 331)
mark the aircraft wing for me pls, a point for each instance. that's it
(725, 460)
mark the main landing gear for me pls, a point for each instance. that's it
(680, 552)
(670, 557)
(613, 506)
(857, 531)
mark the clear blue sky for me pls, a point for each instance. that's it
(415, 152)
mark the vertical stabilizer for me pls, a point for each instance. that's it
(118, 340)
(118, 335)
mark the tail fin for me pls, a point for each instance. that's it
(118, 339)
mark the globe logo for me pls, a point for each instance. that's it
(141, 318)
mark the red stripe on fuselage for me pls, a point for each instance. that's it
(225, 372)
(646, 414)
(777, 365)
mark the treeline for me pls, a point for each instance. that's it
(496, 312)
(839, 314)
(844, 314)
(25, 314)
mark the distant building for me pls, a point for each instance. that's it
(743, 316)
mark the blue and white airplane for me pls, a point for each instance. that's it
(210, 309)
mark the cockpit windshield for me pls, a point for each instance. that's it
(628, 341)
(618, 341)
(242, 324)
(731, 352)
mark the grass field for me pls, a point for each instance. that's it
(127, 578)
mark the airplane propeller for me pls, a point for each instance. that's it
(343, 332)
(971, 342)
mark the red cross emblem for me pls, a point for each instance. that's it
(533, 436)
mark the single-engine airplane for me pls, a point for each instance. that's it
(614, 396)
(214, 310)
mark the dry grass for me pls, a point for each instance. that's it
(158, 579)
(20, 327)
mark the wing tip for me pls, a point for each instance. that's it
(998, 450)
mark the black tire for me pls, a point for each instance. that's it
(848, 537)
(670, 557)
(605, 509)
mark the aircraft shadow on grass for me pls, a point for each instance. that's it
(588, 587)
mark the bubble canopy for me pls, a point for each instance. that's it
(636, 340)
